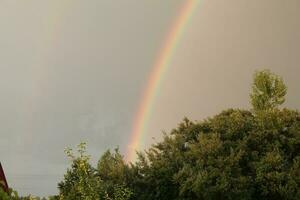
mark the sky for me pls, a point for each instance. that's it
(75, 70)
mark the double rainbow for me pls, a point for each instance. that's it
(159, 69)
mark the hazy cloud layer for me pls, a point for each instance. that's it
(75, 70)
(71, 71)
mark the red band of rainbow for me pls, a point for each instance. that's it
(159, 69)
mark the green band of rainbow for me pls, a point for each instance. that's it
(159, 70)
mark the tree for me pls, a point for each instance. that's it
(237, 154)
(112, 170)
(268, 91)
(81, 181)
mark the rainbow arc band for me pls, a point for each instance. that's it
(159, 70)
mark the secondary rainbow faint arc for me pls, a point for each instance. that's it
(40, 65)
(158, 71)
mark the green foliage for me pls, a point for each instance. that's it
(112, 170)
(120, 192)
(229, 156)
(268, 91)
(81, 181)
(53, 198)
(4, 195)
(11, 195)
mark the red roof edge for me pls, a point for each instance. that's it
(3, 182)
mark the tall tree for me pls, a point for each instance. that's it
(81, 181)
(268, 91)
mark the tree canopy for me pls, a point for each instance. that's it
(237, 154)
(268, 91)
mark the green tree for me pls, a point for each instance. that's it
(112, 170)
(81, 181)
(268, 91)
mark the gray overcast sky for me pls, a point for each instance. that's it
(75, 70)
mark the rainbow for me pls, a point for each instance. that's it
(39, 64)
(159, 70)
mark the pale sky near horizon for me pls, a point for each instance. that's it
(75, 70)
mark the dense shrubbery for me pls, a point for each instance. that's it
(237, 154)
